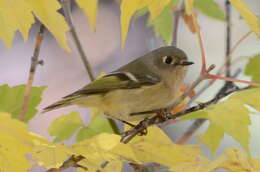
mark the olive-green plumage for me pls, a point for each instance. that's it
(148, 83)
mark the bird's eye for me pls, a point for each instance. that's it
(168, 60)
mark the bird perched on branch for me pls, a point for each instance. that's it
(150, 82)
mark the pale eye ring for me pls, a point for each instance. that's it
(168, 60)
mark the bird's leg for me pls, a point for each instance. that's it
(141, 133)
(140, 129)
(127, 123)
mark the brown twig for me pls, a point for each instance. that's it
(34, 63)
(83, 56)
(128, 135)
(198, 122)
(71, 162)
(228, 37)
(222, 69)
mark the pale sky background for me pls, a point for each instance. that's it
(64, 72)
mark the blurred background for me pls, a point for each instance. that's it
(64, 72)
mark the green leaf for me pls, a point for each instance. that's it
(12, 99)
(96, 126)
(212, 137)
(230, 116)
(253, 68)
(210, 8)
(65, 126)
(163, 25)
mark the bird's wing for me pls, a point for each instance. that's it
(116, 80)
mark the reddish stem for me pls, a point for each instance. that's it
(203, 56)
(209, 76)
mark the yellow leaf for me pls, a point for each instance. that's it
(128, 8)
(14, 15)
(236, 161)
(15, 143)
(248, 15)
(90, 8)
(188, 6)
(97, 146)
(212, 137)
(154, 147)
(17, 15)
(50, 155)
(156, 6)
(157, 147)
(233, 161)
(46, 12)
(230, 116)
(202, 164)
(97, 150)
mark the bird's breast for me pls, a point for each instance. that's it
(121, 103)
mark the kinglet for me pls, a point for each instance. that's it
(148, 83)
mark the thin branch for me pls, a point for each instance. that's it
(83, 56)
(209, 76)
(34, 63)
(191, 88)
(71, 162)
(227, 65)
(222, 69)
(128, 135)
(239, 42)
(198, 122)
(228, 37)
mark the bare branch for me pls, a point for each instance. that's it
(128, 135)
(34, 63)
(71, 162)
(83, 56)
(228, 37)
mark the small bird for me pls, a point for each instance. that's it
(150, 82)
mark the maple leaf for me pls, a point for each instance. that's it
(12, 98)
(90, 8)
(230, 116)
(17, 15)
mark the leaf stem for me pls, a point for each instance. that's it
(34, 63)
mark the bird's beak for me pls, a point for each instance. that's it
(186, 63)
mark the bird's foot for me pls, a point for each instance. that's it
(139, 129)
(163, 113)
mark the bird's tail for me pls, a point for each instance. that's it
(59, 104)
